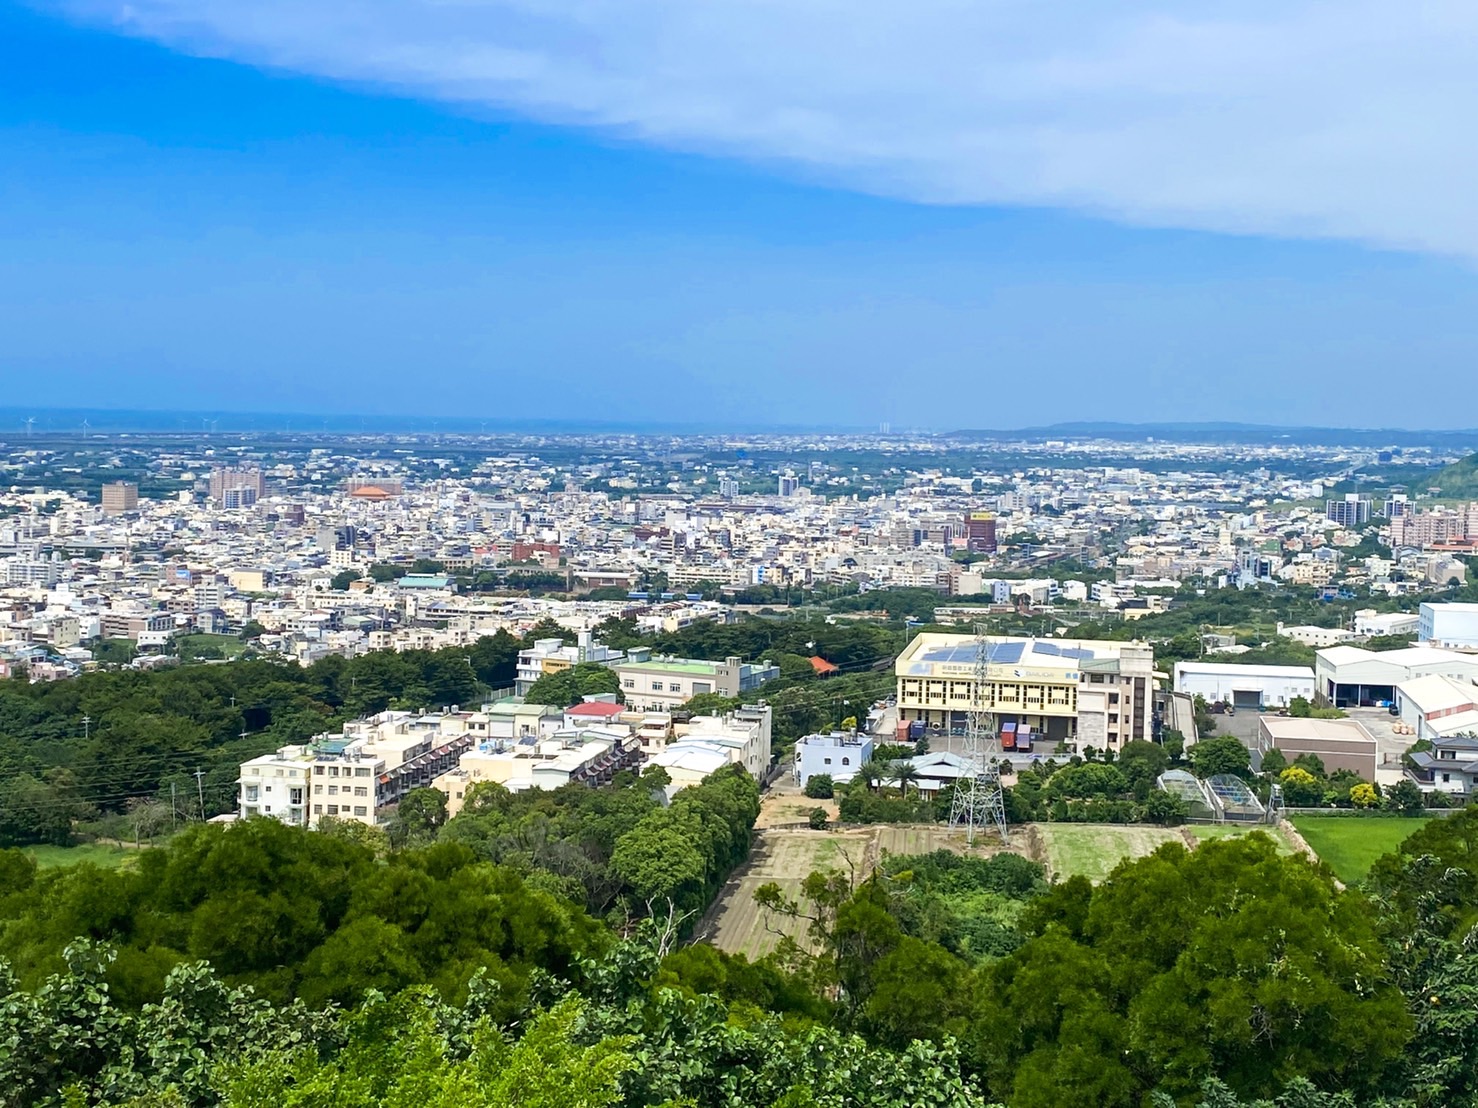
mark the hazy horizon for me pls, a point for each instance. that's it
(988, 217)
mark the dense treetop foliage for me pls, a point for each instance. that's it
(1224, 976)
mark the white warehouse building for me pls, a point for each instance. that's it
(1350, 676)
(1449, 625)
(1244, 686)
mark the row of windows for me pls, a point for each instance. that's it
(333, 810)
(333, 790)
(657, 686)
(845, 761)
(333, 771)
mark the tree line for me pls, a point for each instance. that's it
(80, 752)
(1223, 976)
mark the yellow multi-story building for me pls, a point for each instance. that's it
(1093, 692)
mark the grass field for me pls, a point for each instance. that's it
(1351, 844)
(1204, 832)
(1092, 850)
(99, 854)
(191, 646)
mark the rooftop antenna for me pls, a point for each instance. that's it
(978, 801)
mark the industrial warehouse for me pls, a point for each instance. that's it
(1096, 693)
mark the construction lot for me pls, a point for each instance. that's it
(787, 855)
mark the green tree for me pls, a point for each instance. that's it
(1088, 780)
(570, 686)
(494, 659)
(904, 775)
(1210, 757)
(1405, 797)
(820, 786)
(1301, 789)
(1229, 962)
(1274, 761)
(1165, 809)
(1142, 762)
(659, 858)
(420, 814)
(341, 581)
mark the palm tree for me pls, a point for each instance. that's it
(905, 774)
(875, 771)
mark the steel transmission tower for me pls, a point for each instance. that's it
(978, 801)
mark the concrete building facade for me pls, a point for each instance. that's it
(840, 754)
(1244, 686)
(1450, 625)
(652, 683)
(1097, 693)
(1349, 676)
(120, 497)
(1338, 743)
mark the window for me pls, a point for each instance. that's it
(318, 809)
(333, 790)
(251, 794)
(361, 772)
(629, 683)
(360, 790)
(279, 773)
(333, 809)
(674, 687)
(318, 770)
(333, 771)
(359, 809)
(656, 686)
(846, 761)
(317, 790)
(1446, 777)
(826, 761)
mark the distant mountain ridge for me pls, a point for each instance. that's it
(1234, 433)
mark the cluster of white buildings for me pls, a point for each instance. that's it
(362, 772)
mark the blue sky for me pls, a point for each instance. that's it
(201, 213)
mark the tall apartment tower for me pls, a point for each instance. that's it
(1352, 511)
(788, 484)
(245, 483)
(119, 497)
(980, 532)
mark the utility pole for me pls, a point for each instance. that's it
(200, 791)
(174, 809)
(86, 728)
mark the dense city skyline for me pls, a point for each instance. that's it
(190, 220)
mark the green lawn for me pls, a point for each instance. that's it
(191, 646)
(1351, 844)
(1092, 850)
(1208, 831)
(99, 854)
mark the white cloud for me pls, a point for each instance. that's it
(1348, 119)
